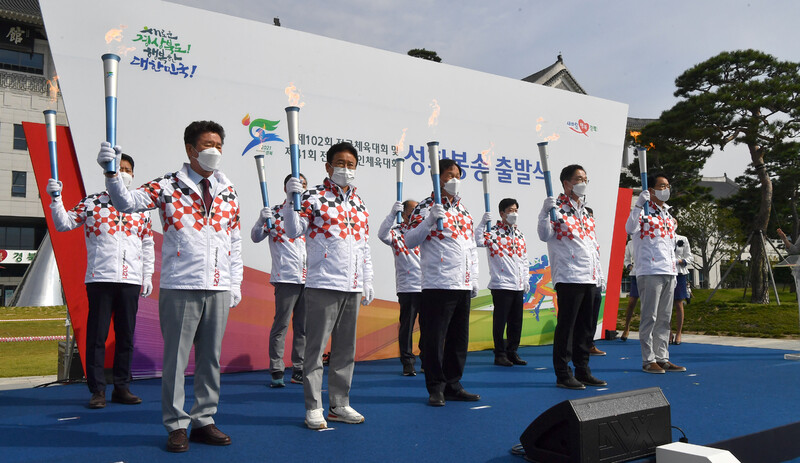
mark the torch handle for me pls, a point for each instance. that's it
(295, 155)
(486, 202)
(437, 198)
(399, 198)
(265, 201)
(111, 129)
(50, 125)
(644, 188)
(548, 186)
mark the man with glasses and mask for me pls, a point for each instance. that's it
(656, 267)
(575, 265)
(201, 275)
(119, 263)
(333, 219)
(449, 262)
(509, 279)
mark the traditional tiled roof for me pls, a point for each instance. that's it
(24, 11)
(556, 75)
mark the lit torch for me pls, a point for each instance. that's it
(643, 169)
(262, 179)
(548, 183)
(292, 122)
(50, 124)
(433, 154)
(486, 200)
(110, 67)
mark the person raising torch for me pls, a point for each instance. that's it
(333, 219)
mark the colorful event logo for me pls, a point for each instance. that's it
(261, 131)
(539, 279)
(581, 127)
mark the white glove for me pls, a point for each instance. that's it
(487, 217)
(368, 293)
(53, 187)
(548, 204)
(147, 285)
(107, 153)
(294, 185)
(526, 287)
(397, 207)
(236, 296)
(644, 197)
(266, 214)
(474, 291)
(437, 212)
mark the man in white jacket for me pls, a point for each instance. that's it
(288, 277)
(575, 265)
(333, 219)
(408, 279)
(509, 279)
(119, 263)
(201, 275)
(654, 250)
(449, 262)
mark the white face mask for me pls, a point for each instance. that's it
(209, 158)
(451, 186)
(662, 195)
(127, 179)
(343, 176)
(580, 188)
(511, 218)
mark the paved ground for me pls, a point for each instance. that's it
(791, 346)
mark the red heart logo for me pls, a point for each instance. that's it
(3, 255)
(583, 126)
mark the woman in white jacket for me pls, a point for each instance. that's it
(683, 259)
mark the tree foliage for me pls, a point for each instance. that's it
(742, 97)
(429, 55)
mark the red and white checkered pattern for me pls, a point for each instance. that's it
(508, 256)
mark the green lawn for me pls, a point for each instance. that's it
(729, 314)
(30, 358)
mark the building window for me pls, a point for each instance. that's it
(32, 63)
(19, 183)
(19, 138)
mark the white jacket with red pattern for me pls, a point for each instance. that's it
(407, 272)
(448, 258)
(288, 254)
(202, 249)
(119, 246)
(571, 243)
(508, 256)
(336, 231)
(653, 240)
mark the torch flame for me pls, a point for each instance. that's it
(548, 138)
(399, 146)
(651, 146)
(635, 135)
(539, 124)
(52, 89)
(433, 120)
(115, 34)
(486, 155)
(294, 95)
(246, 119)
(553, 137)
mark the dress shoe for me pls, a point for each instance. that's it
(570, 383)
(514, 358)
(98, 400)
(669, 366)
(595, 351)
(209, 435)
(436, 399)
(625, 334)
(653, 367)
(503, 361)
(408, 369)
(591, 381)
(177, 441)
(124, 396)
(462, 395)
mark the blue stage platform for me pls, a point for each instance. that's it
(727, 392)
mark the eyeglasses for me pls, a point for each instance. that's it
(580, 179)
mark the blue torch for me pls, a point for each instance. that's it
(50, 124)
(262, 179)
(399, 164)
(110, 67)
(433, 154)
(292, 121)
(548, 182)
(486, 200)
(642, 152)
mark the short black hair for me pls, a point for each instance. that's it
(290, 176)
(651, 178)
(126, 157)
(506, 203)
(197, 128)
(445, 164)
(589, 210)
(569, 171)
(338, 148)
(407, 202)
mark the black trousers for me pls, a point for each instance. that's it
(596, 303)
(409, 308)
(574, 329)
(444, 322)
(107, 300)
(507, 317)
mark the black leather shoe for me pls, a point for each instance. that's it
(591, 381)
(503, 361)
(408, 370)
(209, 435)
(98, 400)
(436, 399)
(124, 396)
(570, 383)
(462, 395)
(514, 358)
(177, 442)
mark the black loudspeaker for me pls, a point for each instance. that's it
(608, 428)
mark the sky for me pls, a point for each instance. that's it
(621, 50)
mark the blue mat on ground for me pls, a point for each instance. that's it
(727, 392)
